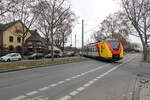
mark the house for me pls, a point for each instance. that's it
(11, 40)
(10, 36)
(34, 43)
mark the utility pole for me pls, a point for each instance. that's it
(75, 41)
(71, 40)
(82, 36)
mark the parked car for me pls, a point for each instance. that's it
(36, 56)
(48, 56)
(11, 57)
(71, 53)
(64, 54)
(55, 55)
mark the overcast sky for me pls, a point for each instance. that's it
(93, 12)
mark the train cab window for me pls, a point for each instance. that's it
(114, 44)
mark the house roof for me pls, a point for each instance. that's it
(4, 27)
(35, 37)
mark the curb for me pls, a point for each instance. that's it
(32, 67)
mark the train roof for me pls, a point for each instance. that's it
(102, 41)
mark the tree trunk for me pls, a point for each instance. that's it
(22, 53)
(63, 42)
(144, 52)
(52, 45)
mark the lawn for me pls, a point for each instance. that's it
(32, 64)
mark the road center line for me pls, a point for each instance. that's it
(32, 93)
(19, 97)
(44, 88)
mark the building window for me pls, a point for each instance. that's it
(10, 39)
(18, 39)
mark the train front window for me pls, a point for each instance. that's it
(114, 44)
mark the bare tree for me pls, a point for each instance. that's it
(138, 12)
(7, 9)
(27, 15)
(64, 30)
(53, 12)
(43, 27)
(115, 27)
(8, 6)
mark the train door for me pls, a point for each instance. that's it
(102, 50)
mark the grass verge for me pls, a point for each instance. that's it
(24, 65)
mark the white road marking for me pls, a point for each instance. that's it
(80, 89)
(78, 75)
(19, 97)
(32, 93)
(74, 93)
(82, 74)
(68, 79)
(91, 82)
(86, 85)
(95, 79)
(43, 89)
(61, 82)
(53, 85)
(98, 77)
(74, 77)
(38, 98)
(65, 98)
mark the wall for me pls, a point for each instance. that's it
(11, 32)
(1, 38)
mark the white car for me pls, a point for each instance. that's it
(11, 57)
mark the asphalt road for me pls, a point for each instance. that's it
(87, 80)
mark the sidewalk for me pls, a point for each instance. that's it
(142, 89)
(139, 88)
